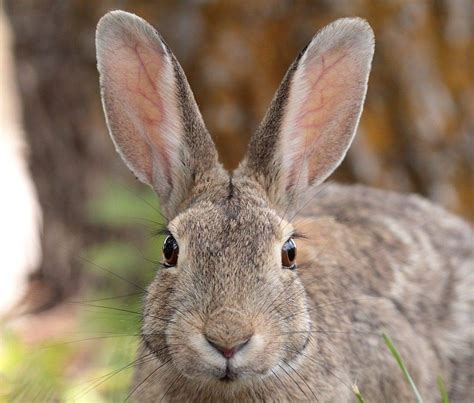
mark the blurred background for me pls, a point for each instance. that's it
(77, 227)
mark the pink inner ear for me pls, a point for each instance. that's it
(322, 75)
(320, 107)
(137, 73)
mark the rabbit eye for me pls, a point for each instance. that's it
(170, 251)
(288, 254)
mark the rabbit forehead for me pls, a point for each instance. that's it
(230, 231)
(227, 223)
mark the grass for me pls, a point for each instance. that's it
(442, 390)
(357, 394)
(396, 355)
(402, 366)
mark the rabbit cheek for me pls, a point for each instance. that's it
(294, 321)
(157, 314)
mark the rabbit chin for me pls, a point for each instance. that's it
(197, 359)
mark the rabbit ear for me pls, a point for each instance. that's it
(314, 115)
(150, 110)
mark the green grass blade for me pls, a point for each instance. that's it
(356, 391)
(442, 390)
(402, 366)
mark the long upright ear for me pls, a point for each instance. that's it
(314, 114)
(150, 110)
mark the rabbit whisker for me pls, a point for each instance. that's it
(94, 383)
(313, 196)
(328, 332)
(269, 304)
(277, 377)
(321, 364)
(113, 308)
(294, 381)
(187, 317)
(338, 301)
(84, 259)
(87, 339)
(146, 379)
(133, 192)
(263, 305)
(179, 330)
(142, 254)
(107, 298)
(177, 378)
(108, 308)
(287, 299)
(304, 380)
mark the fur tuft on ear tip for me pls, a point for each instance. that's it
(123, 28)
(352, 33)
(355, 26)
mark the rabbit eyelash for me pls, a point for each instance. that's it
(298, 235)
(162, 231)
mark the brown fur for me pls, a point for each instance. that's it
(368, 261)
(364, 272)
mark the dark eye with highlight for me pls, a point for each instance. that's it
(288, 254)
(170, 251)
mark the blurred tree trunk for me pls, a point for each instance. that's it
(58, 84)
(415, 135)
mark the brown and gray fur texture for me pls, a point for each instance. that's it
(368, 261)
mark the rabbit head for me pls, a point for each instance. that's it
(228, 303)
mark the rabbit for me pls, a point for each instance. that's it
(274, 286)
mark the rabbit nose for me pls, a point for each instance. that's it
(228, 352)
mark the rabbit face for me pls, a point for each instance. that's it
(229, 309)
